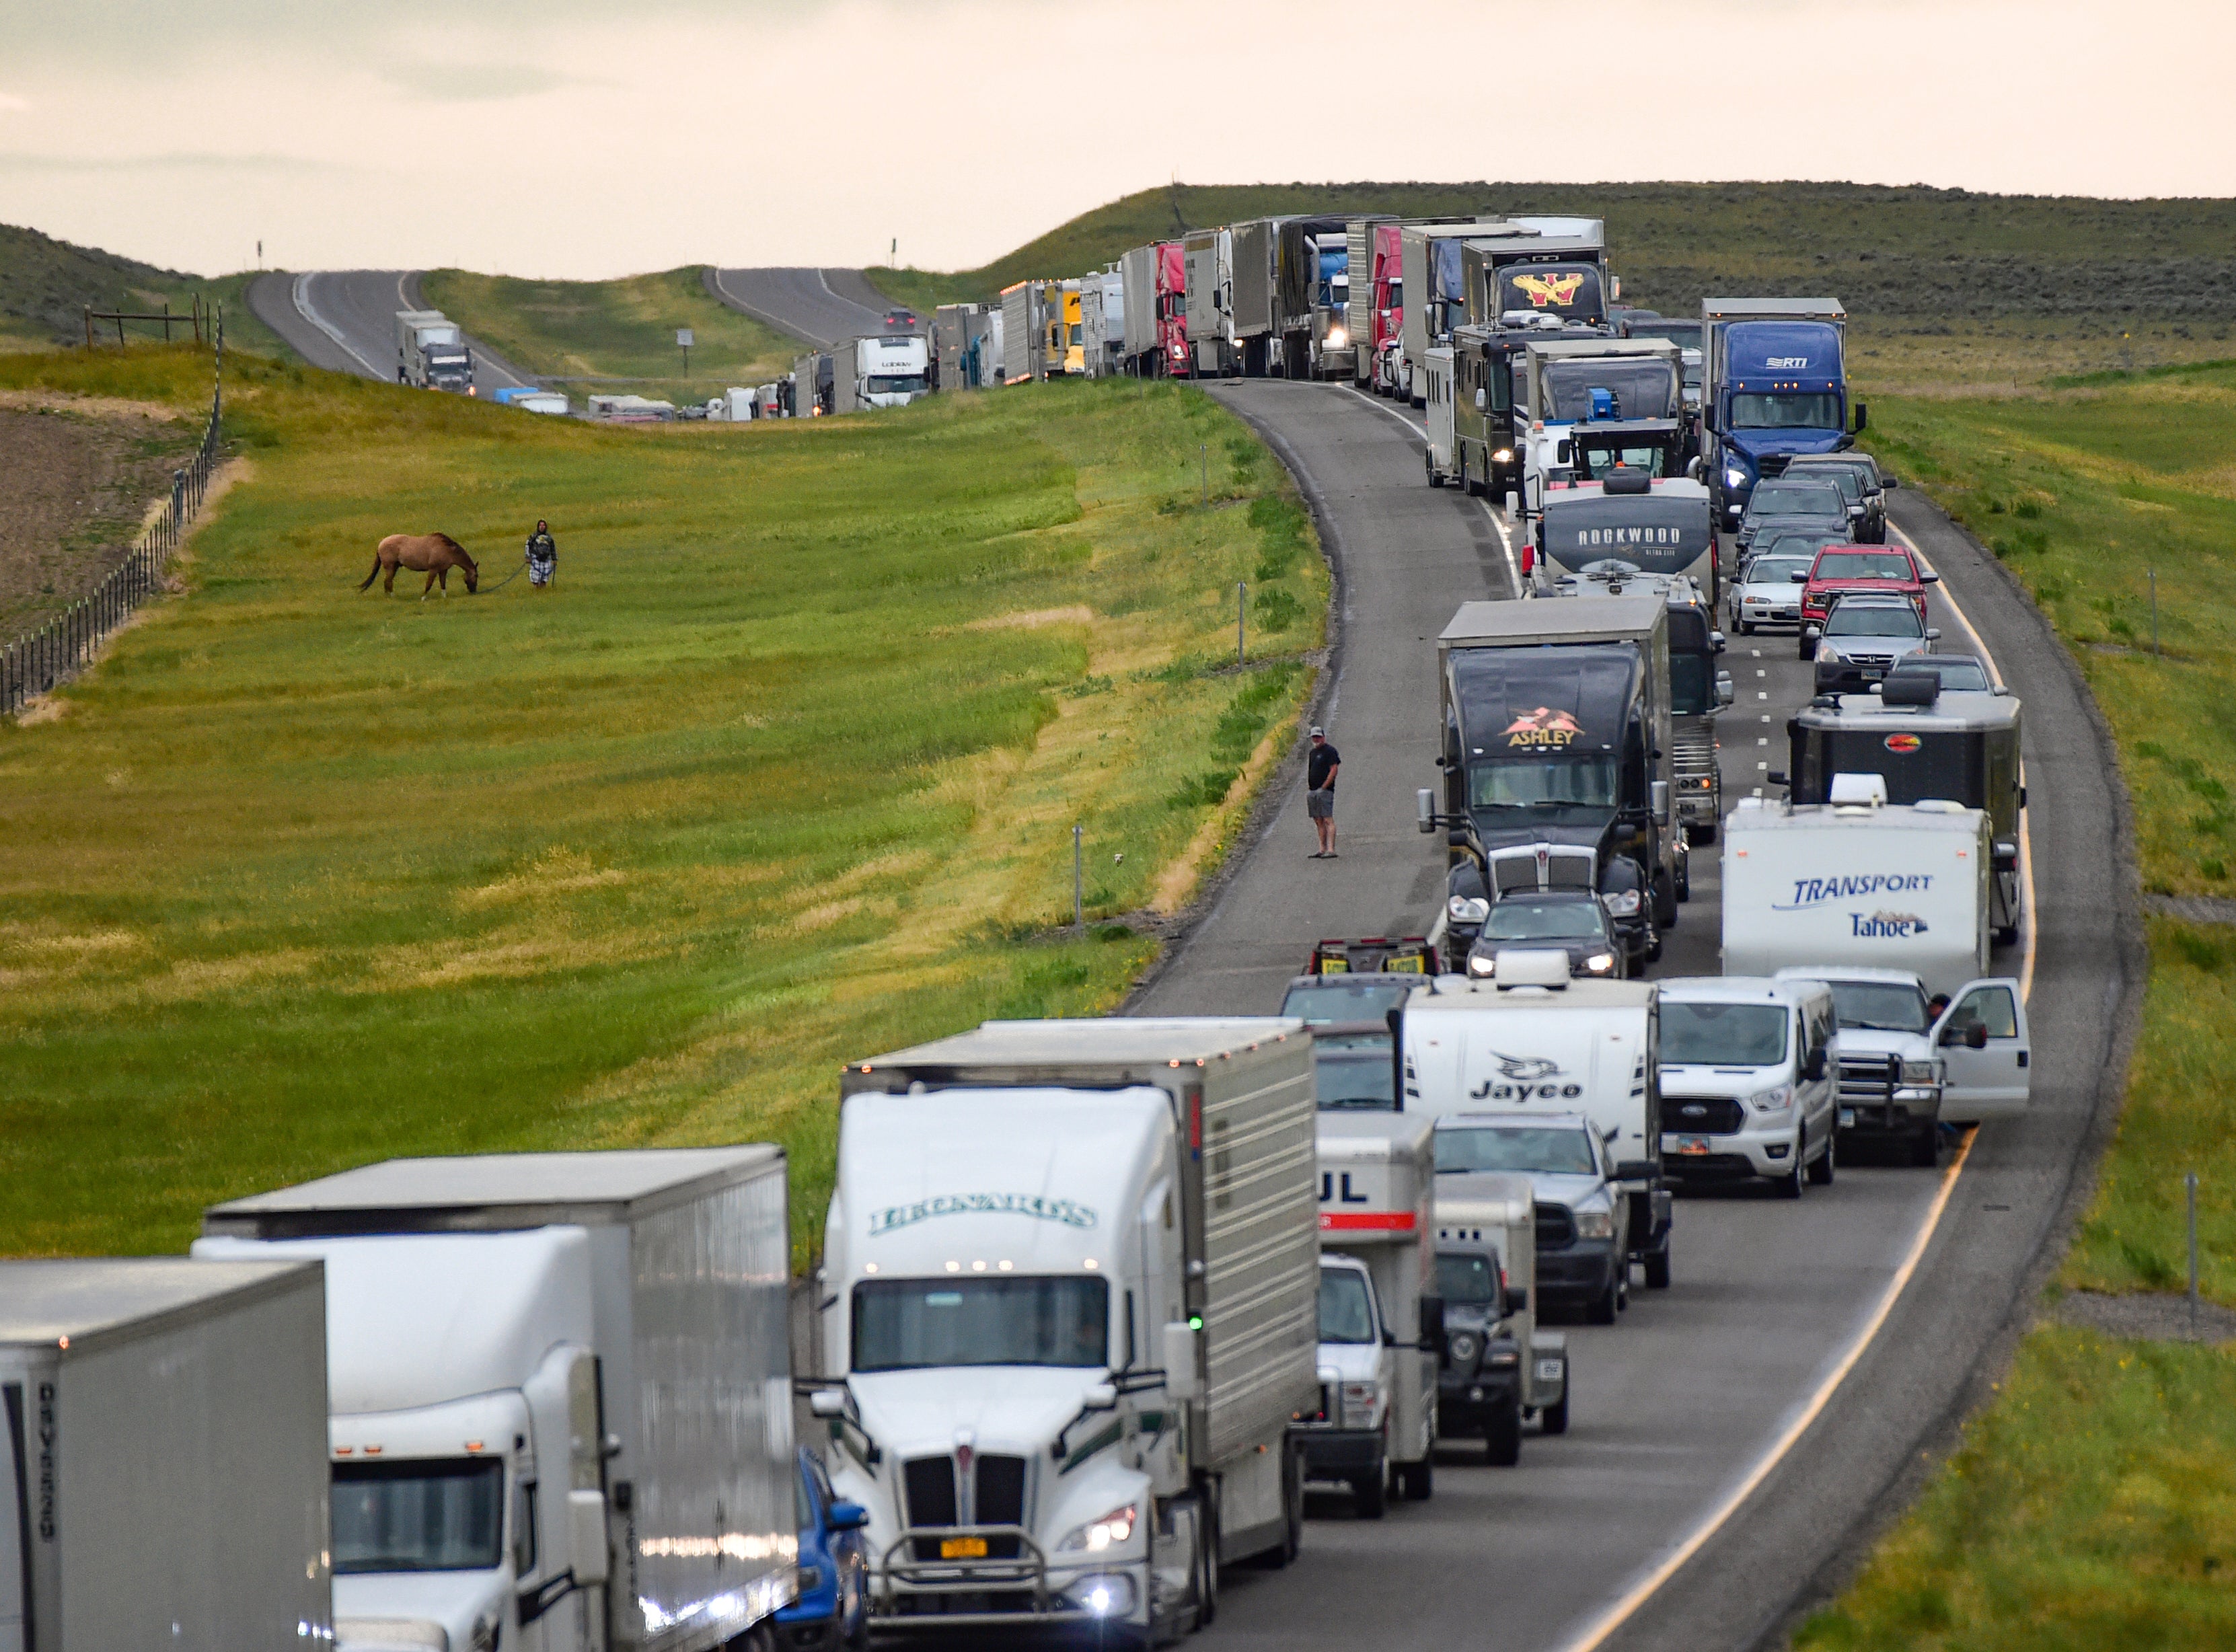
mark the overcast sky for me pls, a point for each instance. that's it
(564, 138)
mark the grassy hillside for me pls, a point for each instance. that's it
(2091, 1506)
(2053, 281)
(47, 285)
(614, 335)
(785, 770)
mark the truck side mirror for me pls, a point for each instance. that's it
(1432, 1329)
(1181, 1379)
(1776, 777)
(828, 1402)
(1636, 1170)
(586, 1535)
(1425, 809)
(1816, 633)
(1889, 481)
(1717, 642)
(1933, 633)
(1863, 417)
(846, 1517)
(1482, 401)
(1696, 469)
(1099, 1396)
(1814, 1069)
(1725, 691)
(1972, 1038)
(1660, 791)
(1517, 1299)
(1513, 504)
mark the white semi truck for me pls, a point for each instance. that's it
(162, 1456)
(1381, 1329)
(431, 352)
(561, 1394)
(1070, 1287)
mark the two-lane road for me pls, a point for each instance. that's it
(345, 320)
(819, 307)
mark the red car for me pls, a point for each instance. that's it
(1841, 570)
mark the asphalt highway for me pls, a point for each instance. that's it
(819, 307)
(345, 320)
(1733, 1436)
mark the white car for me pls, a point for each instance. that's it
(1765, 593)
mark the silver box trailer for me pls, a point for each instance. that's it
(163, 1456)
(689, 1268)
(1254, 292)
(1430, 311)
(1137, 272)
(1207, 264)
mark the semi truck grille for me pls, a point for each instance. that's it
(1541, 868)
(1868, 1080)
(1001, 1491)
(930, 1482)
(1556, 1228)
(1702, 1115)
(1770, 464)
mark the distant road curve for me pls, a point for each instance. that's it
(819, 306)
(346, 320)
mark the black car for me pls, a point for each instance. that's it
(1479, 1385)
(1572, 920)
(1871, 486)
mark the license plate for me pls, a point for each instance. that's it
(963, 1548)
(1692, 1144)
(1549, 1371)
(1404, 966)
(1335, 966)
(1847, 1116)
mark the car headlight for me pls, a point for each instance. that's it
(1623, 902)
(1921, 1072)
(1463, 1346)
(1467, 909)
(1481, 963)
(1595, 1224)
(1734, 478)
(1599, 963)
(1827, 655)
(1101, 1532)
(1776, 1100)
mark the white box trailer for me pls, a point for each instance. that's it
(1882, 885)
(1502, 1368)
(1024, 326)
(1072, 1271)
(1137, 273)
(582, 1363)
(1208, 261)
(162, 1456)
(1376, 1423)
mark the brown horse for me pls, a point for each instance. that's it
(433, 555)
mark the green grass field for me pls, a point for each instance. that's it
(587, 336)
(2090, 1507)
(47, 285)
(784, 770)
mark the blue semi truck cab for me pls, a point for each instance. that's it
(1776, 385)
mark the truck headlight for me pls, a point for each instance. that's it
(1599, 963)
(1734, 478)
(1505, 456)
(1595, 1224)
(1777, 1100)
(1337, 338)
(1921, 1073)
(1100, 1534)
(1467, 909)
(1463, 1346)
(1623, 904)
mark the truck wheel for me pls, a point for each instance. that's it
(1417, 1482)
(1604, 1306)
(1664, 900)
(1684, 876)
(2008, 935)
(1368, 1500)
(1925, 1148)
(1554, 1417)
(1657, 1266)
(1821, 1172)
(1502, 1437)
(1436, 477)
(1206, 1585)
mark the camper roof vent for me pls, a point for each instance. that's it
(1910, 686)
(1627, 479)
(1859, 790)
(1532, 966)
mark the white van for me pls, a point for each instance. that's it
(1859, 881)
(1750, 1081)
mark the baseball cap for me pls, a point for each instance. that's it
(1319, 733)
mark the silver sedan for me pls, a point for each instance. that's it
(1765, 593)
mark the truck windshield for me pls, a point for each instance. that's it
(1785, 410)
(1520, 918)
(1595, 460)
(1353, 1074)
(1466, 1278)
(1691, 683)
(910, 1325)
(1640, 389)
(1584, 781)
(1546, 1151)
(443, 1515)
(895, 384)
(1347, 1311)
(1722, 1034)
(1880, 1006)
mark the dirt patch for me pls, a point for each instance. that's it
(77, 484)
(2144, 1316)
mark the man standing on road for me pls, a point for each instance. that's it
(542, 554)
(1320, 767)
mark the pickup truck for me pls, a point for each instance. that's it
(1843, 570)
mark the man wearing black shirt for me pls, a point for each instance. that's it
(1320, 767)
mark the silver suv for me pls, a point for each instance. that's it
(1863, 637)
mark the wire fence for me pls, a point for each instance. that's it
(41, 661)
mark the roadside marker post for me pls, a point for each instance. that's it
(1078, 881)
(2191, 1180)
(1203, 454)
(2155, 609)
(1241, 609)
(684, 340)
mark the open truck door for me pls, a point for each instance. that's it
(1986, 1055)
